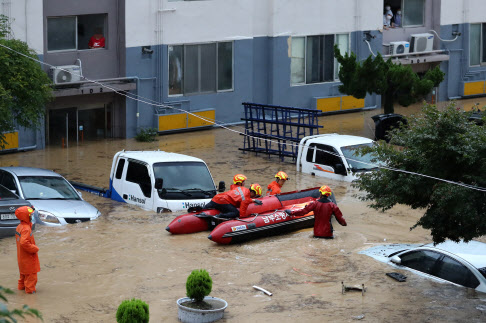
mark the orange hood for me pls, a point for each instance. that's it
(23, 213)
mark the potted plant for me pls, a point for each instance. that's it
(132, 311)
(198, 306)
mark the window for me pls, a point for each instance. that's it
(413, 11)
(201, 68)
(477, 44)
(138, 173)
(326, 155)
(76, 32)
(312, 58)
(423, 260)
(46, 188)
(7, 180)
(453, 271)
(119, 169)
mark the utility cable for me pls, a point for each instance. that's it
(134, 97)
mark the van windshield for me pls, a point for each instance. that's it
(187, 179)
(358, 163)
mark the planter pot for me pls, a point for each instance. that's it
(192, 315)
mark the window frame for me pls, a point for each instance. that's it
(105, 32)
(216, 58)
(76, 34)
(481, 44)
(335, 71)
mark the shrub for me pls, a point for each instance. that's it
(146, 134)
(7, 315)
(198, 285)
(132, 311)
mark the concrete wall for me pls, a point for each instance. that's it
(97, 64)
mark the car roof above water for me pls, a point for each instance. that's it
(339, 140)
(157, 156)
(473, 252)
(30, 171)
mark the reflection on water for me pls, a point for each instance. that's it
(89, 268)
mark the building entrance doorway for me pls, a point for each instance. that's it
(71, 126)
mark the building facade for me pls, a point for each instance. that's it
(166, 62)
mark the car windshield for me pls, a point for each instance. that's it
(5, 194)
(357, 162)
(187, 177)
(47, 188)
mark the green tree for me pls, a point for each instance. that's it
(11, 316)
(394, 82)
(441, 144)
(25, 88)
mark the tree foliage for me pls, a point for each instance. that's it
(11, 316)
(395, 82)
(24, 86)
(441, 144)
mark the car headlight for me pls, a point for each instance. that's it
(48, 217)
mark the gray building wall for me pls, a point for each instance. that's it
(97, 64)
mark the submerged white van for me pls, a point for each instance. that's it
(332, 156)
(158, 180)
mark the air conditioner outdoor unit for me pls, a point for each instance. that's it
(399, 47)
(421, 43)
(65, 74)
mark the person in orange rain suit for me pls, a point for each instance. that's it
(26, 250)
(228, 202)
(323, 209)
(238, 180)
(274, 187)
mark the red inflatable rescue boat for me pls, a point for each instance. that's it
(261, 225)
(196, 222)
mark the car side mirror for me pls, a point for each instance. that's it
(221, 186)
(396, 260)
(339, 169)
(159, 183)
(80, 194)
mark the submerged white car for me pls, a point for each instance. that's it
(56, 201)
(333, 156)
(462, 264)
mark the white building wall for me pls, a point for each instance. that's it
(215, 20)
(462, 11)
(26, 21)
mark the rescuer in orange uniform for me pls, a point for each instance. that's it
(238, 180)
(323, 209)
(275, 186)
(26, 250)
(228, 202)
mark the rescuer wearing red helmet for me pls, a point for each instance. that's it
(26, 250)
(274, 187)
(228, 202)
(238, 180)
(323, 209)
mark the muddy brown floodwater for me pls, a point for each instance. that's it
(87, 269)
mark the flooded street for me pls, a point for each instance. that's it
(87, 269)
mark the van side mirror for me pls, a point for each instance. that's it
(159, 183)
(396, 260)
(339, 169)
(221, 186)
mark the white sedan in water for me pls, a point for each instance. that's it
(56, 201)
(462, 264)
